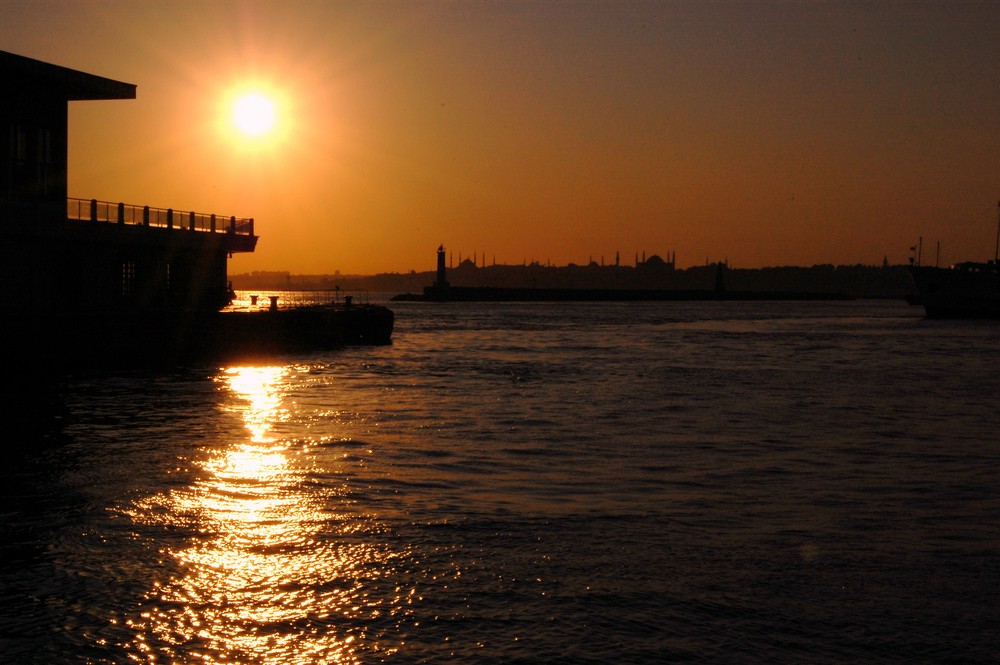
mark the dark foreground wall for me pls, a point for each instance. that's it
(164, 339)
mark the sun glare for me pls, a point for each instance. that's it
(254, 114)
(257, 124)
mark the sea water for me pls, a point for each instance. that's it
(751, 482)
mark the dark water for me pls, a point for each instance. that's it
(523, 483)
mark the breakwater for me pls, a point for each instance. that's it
(500, 294)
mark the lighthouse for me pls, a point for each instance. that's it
(440, 282)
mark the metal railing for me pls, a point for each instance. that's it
(253, 299)
(122, 213)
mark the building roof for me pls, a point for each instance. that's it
(21, 74)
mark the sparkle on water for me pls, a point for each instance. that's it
(266, 562)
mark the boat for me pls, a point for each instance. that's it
(967, 290)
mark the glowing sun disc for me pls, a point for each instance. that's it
(254, 114)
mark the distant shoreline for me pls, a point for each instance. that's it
(597, 282)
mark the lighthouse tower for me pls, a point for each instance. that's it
(440, 282)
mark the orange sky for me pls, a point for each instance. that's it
(765, 133)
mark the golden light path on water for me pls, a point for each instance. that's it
(274, 571)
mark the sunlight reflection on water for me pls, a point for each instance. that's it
(271, 572)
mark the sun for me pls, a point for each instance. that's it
(255, 119)
(254, 114)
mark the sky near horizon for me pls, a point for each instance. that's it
(763, 133)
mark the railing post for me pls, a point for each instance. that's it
(170, 218)
(121, 213)
(232, 224)
(145, 215)
(191, 221)
(213, 223)
(93, 210)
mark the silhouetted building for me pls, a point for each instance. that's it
(61, 254)
(720, 277)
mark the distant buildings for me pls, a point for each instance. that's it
(882, 281)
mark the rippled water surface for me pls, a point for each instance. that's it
(522, 483)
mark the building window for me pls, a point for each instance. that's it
(45, 146)
(128, 278)
(31, 159)
(20, 143)
(45, 183)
